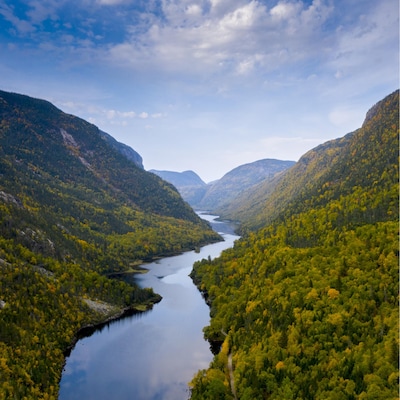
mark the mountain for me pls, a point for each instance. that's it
(326, 171)
(239, 180)
(189, 184)
(306, 304)
(222, 192)
(180, 179)
(250, 207)
(123, 149)
(76, 207)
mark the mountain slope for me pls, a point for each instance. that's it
(67, 147)
(250, 209)
(220, 194)
(329, 171)
(307, 306)
(189, 184)
(122, 148)
(75, 207)
(180, 179)
(239, 180)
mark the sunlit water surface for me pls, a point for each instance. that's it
(152, 355)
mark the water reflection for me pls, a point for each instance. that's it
(152, 355)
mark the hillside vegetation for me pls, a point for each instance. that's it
(306, 307)
(75, 207)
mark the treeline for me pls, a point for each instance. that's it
(307, 307)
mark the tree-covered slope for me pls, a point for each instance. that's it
(63, 174)
(333, 169)
(38, 136)
(75, 206)
(307, 306)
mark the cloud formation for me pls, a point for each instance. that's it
(257, 78)
(207, 38)
(220, 37)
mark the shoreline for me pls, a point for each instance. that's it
(89, 329)
(136, 267)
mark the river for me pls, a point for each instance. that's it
(151, 355)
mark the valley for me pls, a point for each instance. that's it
(156, 353)
(304, 305)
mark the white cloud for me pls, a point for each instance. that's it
(193, 10)
(158, 115)
(285, 11)
(40, 10)
(95, 113)
(111, 114)
(22, 26)
(243, 18)
(128, 114)
(110, 2)
(369, 44)
(245, 38)
(220, 8)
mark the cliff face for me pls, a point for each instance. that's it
(122, 148)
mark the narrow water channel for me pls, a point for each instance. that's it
(152, 355)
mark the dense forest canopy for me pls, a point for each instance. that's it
(306, 306)
(75, 207)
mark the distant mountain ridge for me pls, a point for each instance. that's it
(190, 186)
(180, 179)
(239, 180)
(188, 183)
(213, 196)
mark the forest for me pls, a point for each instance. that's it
(306, 307)
(74, 211)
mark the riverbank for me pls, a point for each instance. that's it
(153, 354)
(114, 314)
(111, 313)
(138, 266)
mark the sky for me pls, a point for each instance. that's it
(205, 85)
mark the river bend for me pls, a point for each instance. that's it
(152, 355)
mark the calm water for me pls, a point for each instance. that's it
(152, 355)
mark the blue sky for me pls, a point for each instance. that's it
(205, 85)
